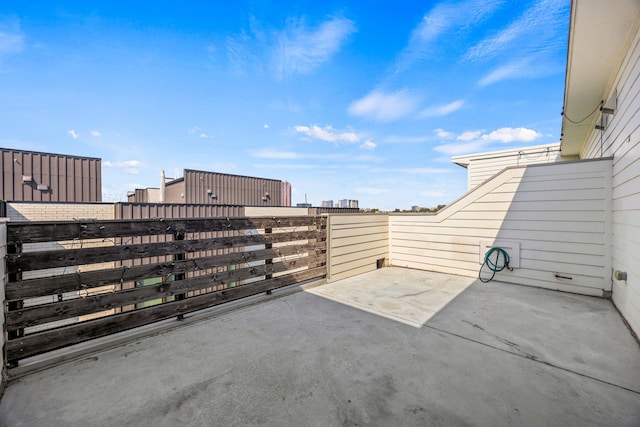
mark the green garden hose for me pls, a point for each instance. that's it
(494, 265)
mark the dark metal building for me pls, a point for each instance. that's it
(47, 177)
(144, 195)
(212, 188)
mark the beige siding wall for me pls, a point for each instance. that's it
(481, 167)
(553, 217)
(356, 243)
(621, 139)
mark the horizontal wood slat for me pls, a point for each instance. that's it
(181, 258)
(38, 315)
(28, 261)
(42, 342)
(38, 231)
(52, 285)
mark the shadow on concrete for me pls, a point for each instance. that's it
(497, 354)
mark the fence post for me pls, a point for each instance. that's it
(15, 248)
(270, 260)
(177, 235)
(3, 283)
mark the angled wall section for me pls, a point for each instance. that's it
(556, 216)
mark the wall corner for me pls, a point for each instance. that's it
(608, 227)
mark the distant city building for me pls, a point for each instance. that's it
(46, 177)
(303, 205)
(347, 203)
(415, 208)
(326, 204)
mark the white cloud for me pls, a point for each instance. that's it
(11, 37)
(385, 107)
(285, 166)
(243, 53)
(368, 157)
(197, 130)
(73, 133)
(474, 141)
(132, 163)
(433, 193)
(95, 133)
(442, 110)
(443, 18)
(299, 50)
(368, 145)
(266, 126)
(469, 135)
(295, 49)
(529, 34)
(131, 167)
(491, 45)
(512, 134)
(456, 148)
(516, 69)
(327, 133)
(371, 190)
(273, 154)
(396, 139)
(290, 155)
(441, 133)
(412, 171)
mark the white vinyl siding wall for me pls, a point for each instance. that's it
(557, 213)
(481, 167)
(621, 139)
(356, 243)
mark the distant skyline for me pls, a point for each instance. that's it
(345, 100)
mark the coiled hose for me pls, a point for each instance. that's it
(494, 265)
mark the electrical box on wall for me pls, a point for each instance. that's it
(511, 247)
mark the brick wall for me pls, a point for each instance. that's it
(25, 211)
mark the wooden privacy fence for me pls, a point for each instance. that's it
(72, 281)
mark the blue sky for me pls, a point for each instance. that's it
(344, 99)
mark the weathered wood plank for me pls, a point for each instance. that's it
(68, 257)
(42, 342)
(37, 315)
(53, 285)
(40, 231)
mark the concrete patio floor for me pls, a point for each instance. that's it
(371, 350)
